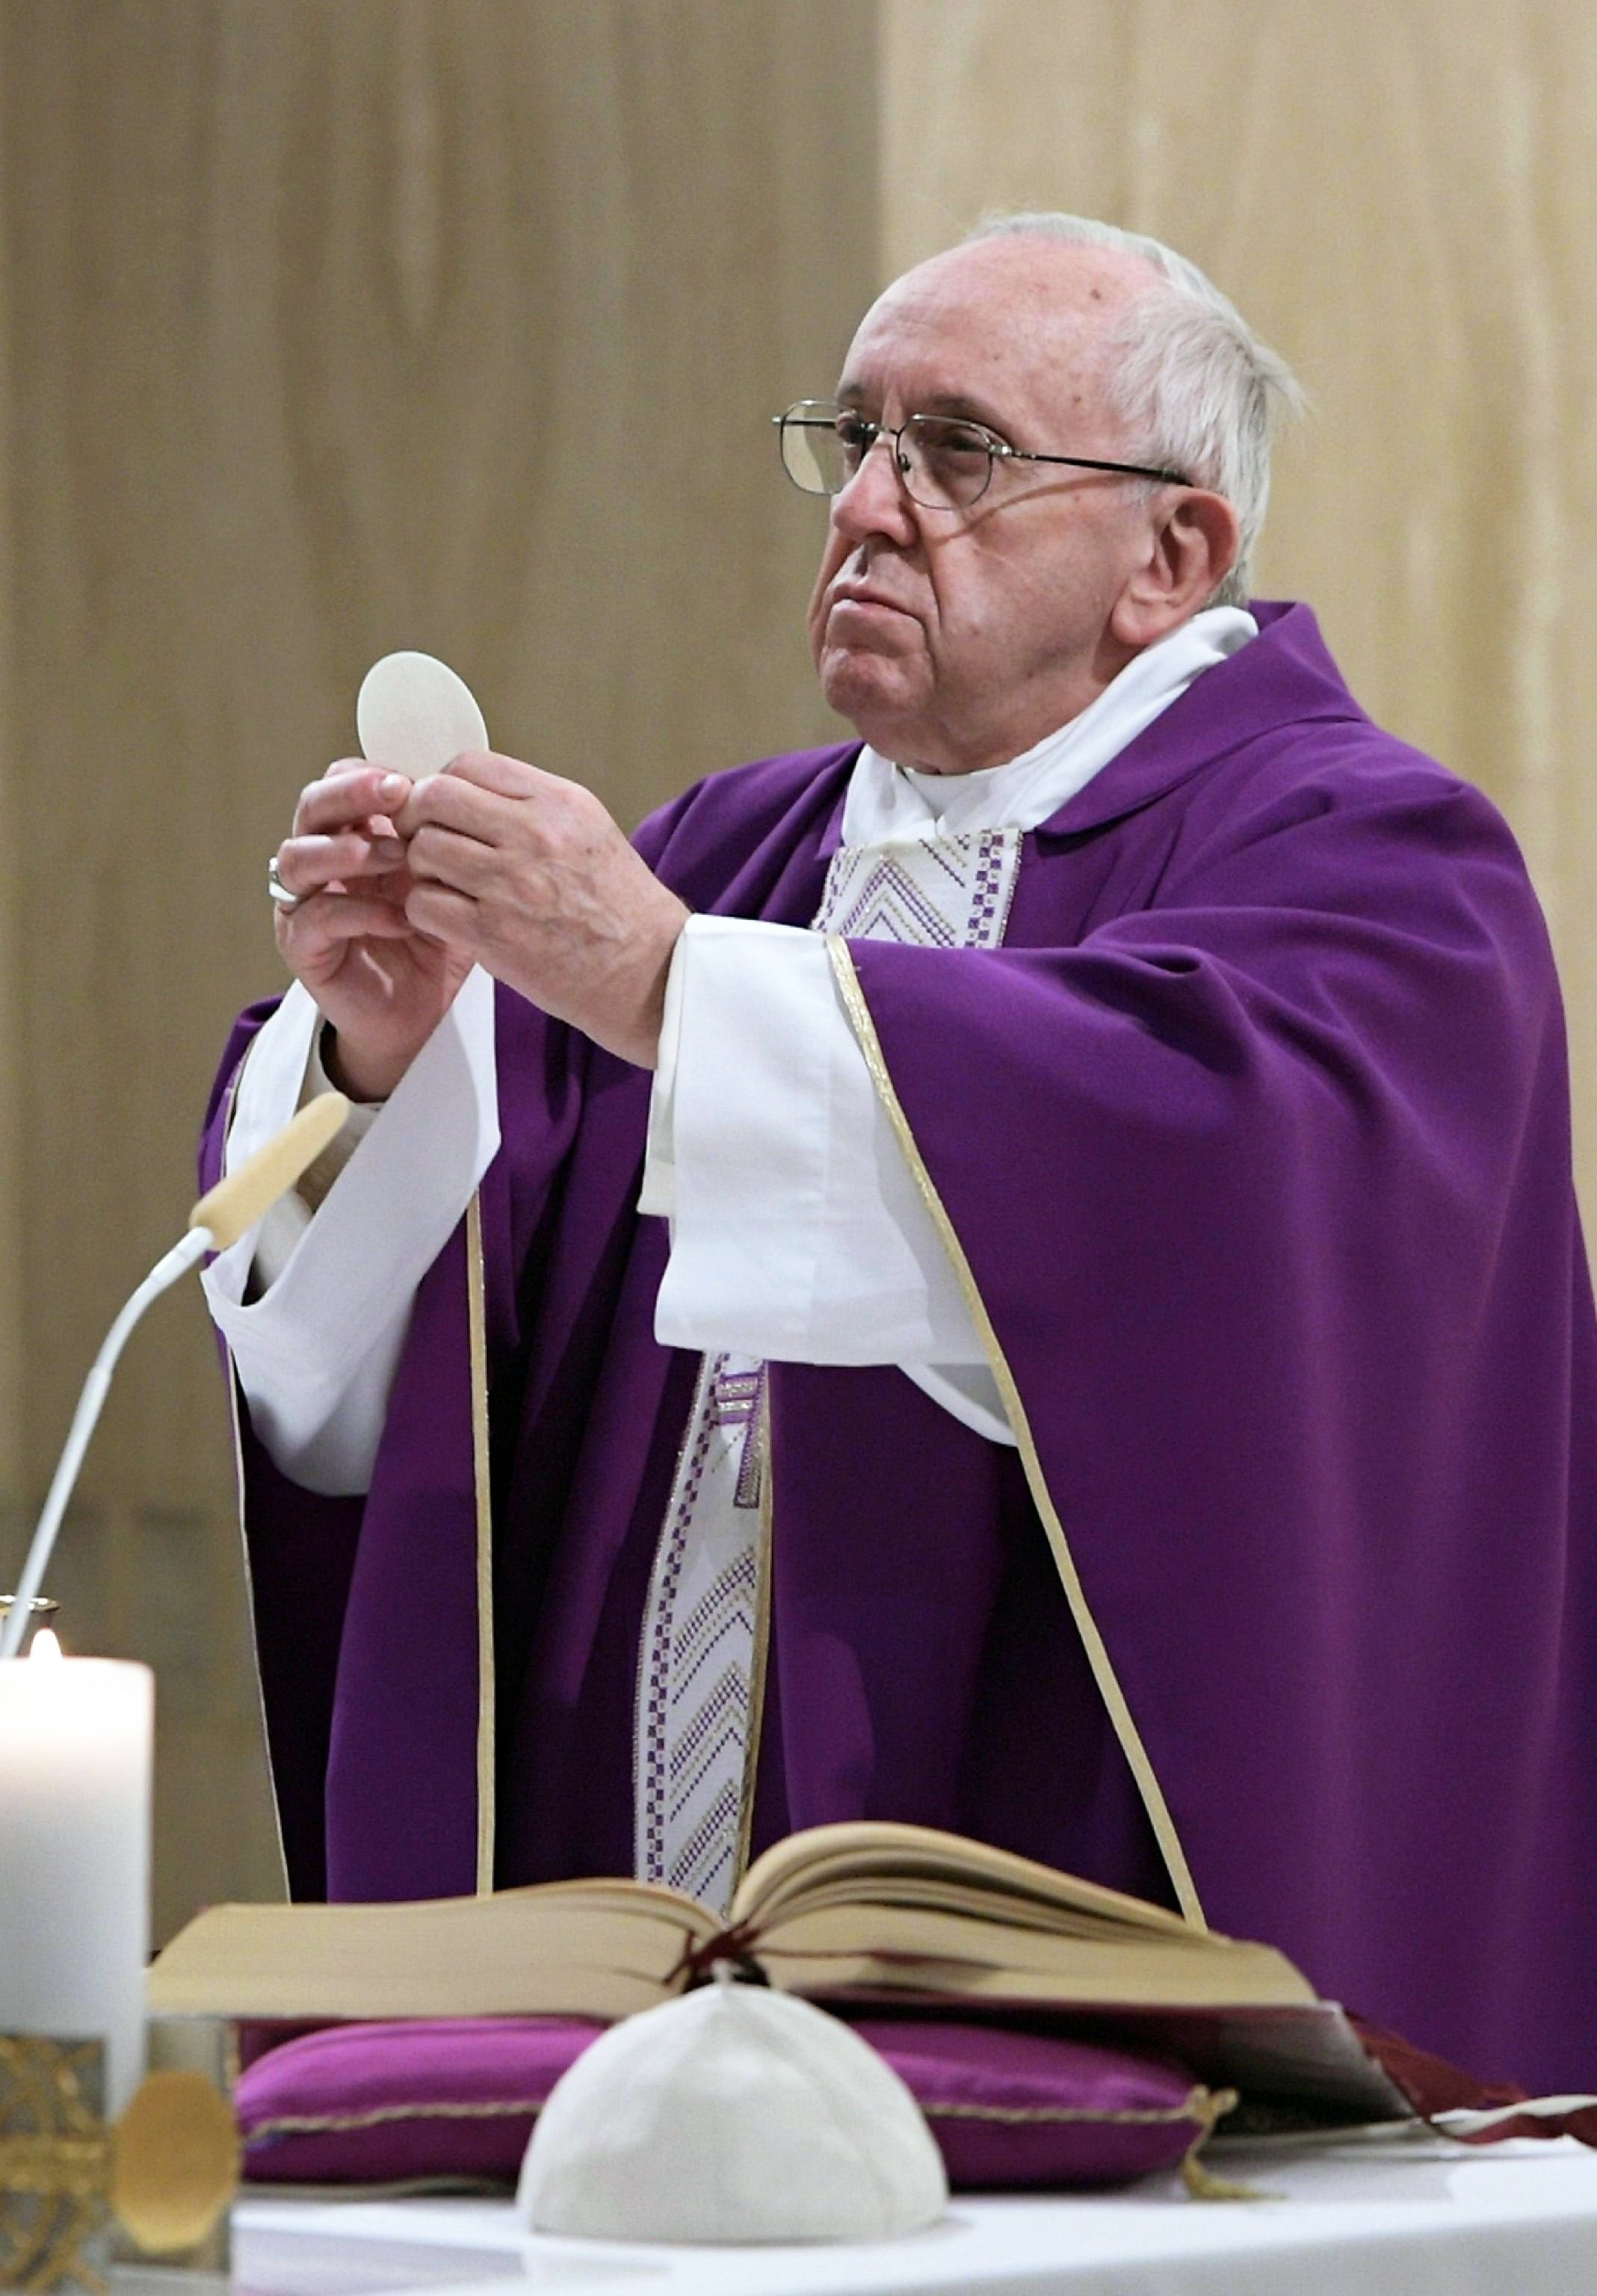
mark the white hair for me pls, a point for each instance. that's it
(1201, 393)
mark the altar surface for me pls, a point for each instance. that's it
(1396, 2218)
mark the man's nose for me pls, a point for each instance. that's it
(874, 500)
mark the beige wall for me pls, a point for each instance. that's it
(12, 1352)
(1400, 195)
(332, 325)
(336, 326)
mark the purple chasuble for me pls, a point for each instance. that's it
(1256, 1134)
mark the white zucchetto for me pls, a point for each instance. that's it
(734, 2113)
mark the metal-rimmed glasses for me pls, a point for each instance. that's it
(945, 461)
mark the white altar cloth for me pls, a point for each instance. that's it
(1404, 2219)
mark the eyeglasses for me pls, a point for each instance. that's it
(945, 461)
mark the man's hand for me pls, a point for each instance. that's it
(530, 875)
(383, 981)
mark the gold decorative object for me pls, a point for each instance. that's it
(175, 2163)
(54, 2166)
(164, 2174)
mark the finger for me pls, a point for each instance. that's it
(488, 770)
(451, 803)
(343, 798)
(308, 935)
(399, 784)
(389, 885)
(443, 857)
(341, 916)
(448, 795)
(305, 865)
(341, 766)
(444, 914)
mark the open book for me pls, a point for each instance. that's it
(888, 1915)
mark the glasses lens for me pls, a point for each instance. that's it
(947, 464)
(813, 454)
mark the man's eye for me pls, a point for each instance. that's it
(855, 436)
(957, 442)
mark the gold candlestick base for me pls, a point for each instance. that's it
(76, 2194)
(54, 2165)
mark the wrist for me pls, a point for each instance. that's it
(653, 1018)
(362, 1079)
(639, 1041)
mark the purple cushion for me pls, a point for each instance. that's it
(456, 2097)
(380, 2104)
(1011, 2109)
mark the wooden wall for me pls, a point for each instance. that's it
(1400, 196)
(336, 326)
(13, 1355)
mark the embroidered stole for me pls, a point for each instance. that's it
(701, 1663)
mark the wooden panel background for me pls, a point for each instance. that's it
(1400, 195)
(12, 1349)
(336, 325)
(332, 325)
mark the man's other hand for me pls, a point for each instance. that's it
(530, 876)
(383, 981)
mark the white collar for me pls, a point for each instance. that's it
(887, 804)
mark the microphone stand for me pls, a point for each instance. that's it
(217, 1220)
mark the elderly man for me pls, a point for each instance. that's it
(1022, 1276)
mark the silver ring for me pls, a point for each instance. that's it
(280, 895)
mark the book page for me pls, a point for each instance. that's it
(998, 1907)
(932, 1951)
(860, 1856)
(564, 1948)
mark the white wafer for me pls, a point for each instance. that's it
(414, 714)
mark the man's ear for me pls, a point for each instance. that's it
(1193, 548)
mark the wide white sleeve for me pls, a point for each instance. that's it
(316, 1350)
(798, 1231)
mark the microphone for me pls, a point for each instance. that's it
(219, 1218)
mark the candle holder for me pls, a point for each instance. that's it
(41, 1610)
(78, 2194)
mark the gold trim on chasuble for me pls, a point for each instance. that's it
(1086, 1625)
(260, 1687)
(482, 1484)
(238, 1489)
(761, 1642)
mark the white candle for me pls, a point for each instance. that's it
(74, 1753)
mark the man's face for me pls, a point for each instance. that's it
(956, 641)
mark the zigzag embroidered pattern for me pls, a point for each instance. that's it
(951, 892)
(699, 1643)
